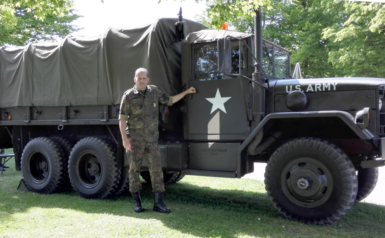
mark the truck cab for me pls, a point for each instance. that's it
(307, 130)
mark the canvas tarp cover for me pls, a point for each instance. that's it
(93, 70)
(210, 35)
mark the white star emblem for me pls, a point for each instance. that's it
(218, 102)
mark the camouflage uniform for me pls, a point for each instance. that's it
(141, 112)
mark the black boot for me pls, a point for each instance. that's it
(159, 206)
(137, 202)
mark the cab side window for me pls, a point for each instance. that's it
(206, 61)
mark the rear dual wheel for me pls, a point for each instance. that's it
(93, 168)
(66, 147)
(48, 164)
(169, 177)
(42, 166)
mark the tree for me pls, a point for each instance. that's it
(239, 13)
(32, 20)
(300, 30)
(295, 25)
(328, 37)
(359, 40)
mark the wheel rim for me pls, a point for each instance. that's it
(90, 170)
(38, 167)
(307, 182)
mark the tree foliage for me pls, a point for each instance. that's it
(299, 28)
(358, 43)
(23, 21)
(328, 37)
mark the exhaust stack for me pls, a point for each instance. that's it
(179, 27)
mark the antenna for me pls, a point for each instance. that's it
(180, 14)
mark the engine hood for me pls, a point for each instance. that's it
(315, 85)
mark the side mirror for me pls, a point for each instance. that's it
(224, 55)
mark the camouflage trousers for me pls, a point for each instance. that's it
(149, 151)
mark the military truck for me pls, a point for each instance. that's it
(322, 139)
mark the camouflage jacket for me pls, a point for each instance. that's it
(141, 112)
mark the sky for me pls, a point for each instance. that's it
(100, 16)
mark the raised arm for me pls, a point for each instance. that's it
(178, 97)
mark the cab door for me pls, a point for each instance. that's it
(220, 108)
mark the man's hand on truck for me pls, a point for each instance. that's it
(178, 97)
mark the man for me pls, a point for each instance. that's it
(138, 122)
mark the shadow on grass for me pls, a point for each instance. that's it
(199, 211)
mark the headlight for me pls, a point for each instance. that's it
(380, 105)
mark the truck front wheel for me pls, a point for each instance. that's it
(367, 181)
(93, 168)
(311, 180)
(42, 166)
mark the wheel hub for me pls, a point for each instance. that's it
(89, 170)
(303, 183)
(38, 167)
(43, 165)
(307, 182)
(93, 168)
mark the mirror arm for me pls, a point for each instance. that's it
(251, 80)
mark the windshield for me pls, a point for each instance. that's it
(275, 61)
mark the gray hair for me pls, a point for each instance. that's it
(141, 70)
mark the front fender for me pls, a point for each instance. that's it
(347, 118)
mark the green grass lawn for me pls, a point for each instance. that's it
(201, 207)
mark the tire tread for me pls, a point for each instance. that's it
(338, 157)
(58, 173)
(113, 171)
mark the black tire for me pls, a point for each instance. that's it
(311, 181)
(146, 176)
(42, 166)
(93, 168)
(124, 182)
(367, 181)
(169, 177)
(66, 146)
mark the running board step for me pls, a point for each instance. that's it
(210, 173)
